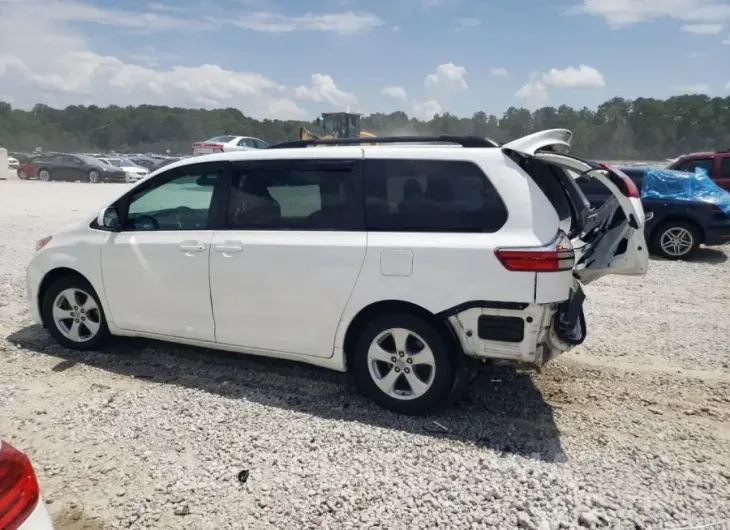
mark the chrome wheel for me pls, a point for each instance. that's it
(44, 175)
(94, 177)
(676, 241)
(76, 315)
(401, 364)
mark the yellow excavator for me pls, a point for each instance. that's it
(337, 125)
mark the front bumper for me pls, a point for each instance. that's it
(34, 276)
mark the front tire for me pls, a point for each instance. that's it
(22, 175)
(94, 176)
(402, 363)
(675, 240)
(73, 314)
(44, 175)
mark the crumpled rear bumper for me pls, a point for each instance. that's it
(524, 333)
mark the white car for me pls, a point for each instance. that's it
(132, 171)
(395, 263)
(228, 144)
(21, 505)
(13, 163)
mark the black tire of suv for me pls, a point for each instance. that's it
(656, 239)
(21, 175)
(445, 367)
(73, 282)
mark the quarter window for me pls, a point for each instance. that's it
(294, 196)
(182, 203)
(430, 196)
(704, 163)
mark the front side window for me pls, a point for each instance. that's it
(246, 142)
(704, 163)
(430, 196)
(182, 203)
(294, 196)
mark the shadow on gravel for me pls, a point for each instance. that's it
(502, 411)
(709, 256)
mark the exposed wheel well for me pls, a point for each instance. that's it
(385, 307)
(677, 219)
(53, 276)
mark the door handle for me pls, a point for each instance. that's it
(229, 248)
(191, 246)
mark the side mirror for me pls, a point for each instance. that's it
(109, 219)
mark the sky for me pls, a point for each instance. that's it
(292, 59)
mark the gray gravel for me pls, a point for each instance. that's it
(632, 431)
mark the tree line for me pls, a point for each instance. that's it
(619, 129)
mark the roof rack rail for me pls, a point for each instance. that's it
(464, 141)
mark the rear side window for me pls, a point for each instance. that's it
(725, 173)
(430, 196)
(222, 139)
(704, 163)
(294, 195)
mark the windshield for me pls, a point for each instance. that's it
(86, 159)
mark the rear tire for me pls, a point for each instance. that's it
(402, 363)
(675, 240)
(73, 314)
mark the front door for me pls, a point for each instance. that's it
(283, 268)
(156, 269)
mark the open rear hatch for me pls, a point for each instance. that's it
(608, 239)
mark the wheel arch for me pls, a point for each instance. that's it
(53, 276)
(384, 307)
(675, 218)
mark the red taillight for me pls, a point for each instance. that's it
(558, 256)
(629, 187)
(40, 244)
(19, 492)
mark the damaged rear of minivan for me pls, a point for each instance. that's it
(591, 242)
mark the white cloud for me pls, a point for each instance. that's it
(348, 23)
(466, 23)
(703, 29)
(324, 89)
(499, 72)
(535, 91)
(621, 13)
(695, 88)
(58, 67)
(397, 92)
(726, 42)
(447, 76)
(582, 77)
(426, 110)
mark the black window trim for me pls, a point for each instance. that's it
(122, 203)
(484, 176)
(302, 164)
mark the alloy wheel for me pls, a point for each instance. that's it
(676, 241)
(76, 315)
(401, 364)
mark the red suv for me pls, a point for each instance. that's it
(716, 164)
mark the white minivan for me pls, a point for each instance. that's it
(395, 262)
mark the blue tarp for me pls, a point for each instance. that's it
(682, 185)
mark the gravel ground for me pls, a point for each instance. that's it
(631, 431)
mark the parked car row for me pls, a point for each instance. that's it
(90, 167)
